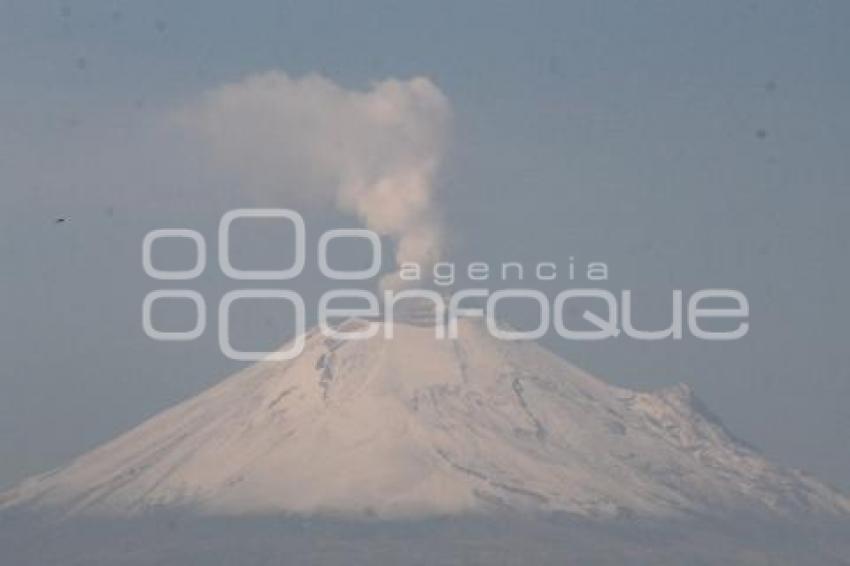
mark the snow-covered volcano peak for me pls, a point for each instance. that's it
(417, 426)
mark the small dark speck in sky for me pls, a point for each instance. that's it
(117, 15)
(761, 133)
(770, 86)
(66, 11)
(554, 66)
(82, 63)
(160, 26)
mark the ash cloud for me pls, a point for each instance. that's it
(373, 153)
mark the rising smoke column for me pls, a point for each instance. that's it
(373, 153)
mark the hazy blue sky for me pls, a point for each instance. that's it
(687, 144)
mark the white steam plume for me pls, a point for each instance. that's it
(373, 153)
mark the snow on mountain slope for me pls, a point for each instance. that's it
(415, 426)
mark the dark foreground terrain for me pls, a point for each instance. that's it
(180, 539)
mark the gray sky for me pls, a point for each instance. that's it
(686, 144)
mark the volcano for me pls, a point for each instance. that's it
(414, 427)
